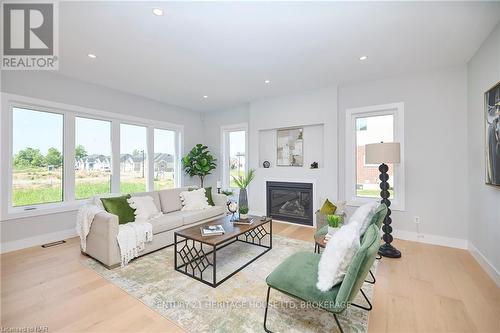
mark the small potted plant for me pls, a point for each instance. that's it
(243, 213)
(334, 223)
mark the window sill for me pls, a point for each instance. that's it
(356, 202)
(19, 212)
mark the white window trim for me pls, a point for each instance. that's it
(69, 203)
(225, 130)
(395, 109)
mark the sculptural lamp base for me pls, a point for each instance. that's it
(389, 251)
(386, 250)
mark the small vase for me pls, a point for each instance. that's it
(243, 198)
(243, 216)
(331, 230)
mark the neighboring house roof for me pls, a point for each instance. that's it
(159, 157)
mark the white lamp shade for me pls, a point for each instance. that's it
(377, 153)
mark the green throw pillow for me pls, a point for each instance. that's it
(119, 206)
(328, 208)
(208, 194)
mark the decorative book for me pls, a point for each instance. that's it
(243, 221)
(212, 230)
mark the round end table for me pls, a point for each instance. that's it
(319, 243)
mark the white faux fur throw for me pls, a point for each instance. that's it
(337, 256)
(84, 220)
(132, 238)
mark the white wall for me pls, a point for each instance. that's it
(435, 148)
(57, 88)
(484, 218)
(212, 123)
(309, 108)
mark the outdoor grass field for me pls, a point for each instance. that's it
(35, 186)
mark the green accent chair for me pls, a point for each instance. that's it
(298, 274)
(378, 222)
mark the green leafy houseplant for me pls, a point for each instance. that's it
(334, 221)
(244, 210)
(198, 162)
(227, 192)
(242, 182)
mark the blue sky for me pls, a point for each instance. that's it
(42, 130)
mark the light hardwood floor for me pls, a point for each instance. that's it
(431, 289)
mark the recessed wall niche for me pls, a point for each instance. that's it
(313, 141)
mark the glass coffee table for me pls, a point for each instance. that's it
(196, 255)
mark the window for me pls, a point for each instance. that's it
(235, 152)
(55, 156)
(92, 157)
(164, 164)
(382, 123)
(373, 129)
(133, 154)
(37, 161)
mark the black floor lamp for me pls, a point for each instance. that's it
(382, 153)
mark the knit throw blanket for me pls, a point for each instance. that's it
(132, 238)
(84, 220)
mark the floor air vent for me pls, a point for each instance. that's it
(53, 244)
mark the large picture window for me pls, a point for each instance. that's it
(92, 157)
(37, 161)
(381, 123)
(56, 156)
(164, 159)
(133, 154)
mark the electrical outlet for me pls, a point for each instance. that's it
(416, 219)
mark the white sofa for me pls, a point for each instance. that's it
(101, 240)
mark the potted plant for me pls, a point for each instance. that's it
(243, 213)
(198, 162)
(334, 223)
(242, 182)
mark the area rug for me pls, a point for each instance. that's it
(238, 304)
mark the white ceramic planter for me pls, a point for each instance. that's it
(243, 216)
(331, 230)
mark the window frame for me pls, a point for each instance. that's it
(397, 111)
(177, 157)
(70, 112)
(225, 147)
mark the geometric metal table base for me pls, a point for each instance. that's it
(194, 258)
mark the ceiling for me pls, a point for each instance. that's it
(226, 50)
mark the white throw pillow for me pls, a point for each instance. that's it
(144, 206)
(337, 256)
(363, 216)
(194, 200)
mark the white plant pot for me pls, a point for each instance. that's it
(331, 230)
(243, 216)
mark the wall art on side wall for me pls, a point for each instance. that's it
(290, 147)
(492, 122)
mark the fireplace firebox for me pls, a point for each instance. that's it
(290, 201)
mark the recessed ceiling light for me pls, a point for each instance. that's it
(205, 96)
(91, 55)
(158, 11)
(362, 58)
(267, 81)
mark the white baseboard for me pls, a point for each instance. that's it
(485, 264)
(36, 240)
(431, 239)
